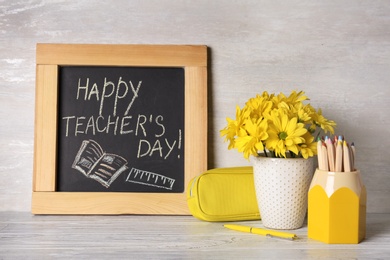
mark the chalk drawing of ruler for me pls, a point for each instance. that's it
(150, 179)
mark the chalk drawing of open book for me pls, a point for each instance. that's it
(94, 163)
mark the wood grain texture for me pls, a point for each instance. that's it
(45, 128)
(196, 114)
(122, 55)
(109, 203)
(169, 237)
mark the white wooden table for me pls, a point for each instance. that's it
(26, 236)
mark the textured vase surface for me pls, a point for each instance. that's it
(281, 186)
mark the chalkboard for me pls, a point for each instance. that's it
(121, 129)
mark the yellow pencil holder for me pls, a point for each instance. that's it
(337, 207)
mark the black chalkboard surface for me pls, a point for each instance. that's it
(120, 129)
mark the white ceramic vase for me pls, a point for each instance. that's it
(281, 186)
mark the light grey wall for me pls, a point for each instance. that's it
(337, 51)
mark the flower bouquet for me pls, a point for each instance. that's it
(276, 126)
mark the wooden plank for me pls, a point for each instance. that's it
(122, 55)
(196, 113)
(45, 128)
(109, 203)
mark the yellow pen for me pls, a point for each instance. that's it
(260, 231)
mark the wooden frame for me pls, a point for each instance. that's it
(45, 199)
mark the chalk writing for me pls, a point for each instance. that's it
(163, 147)
(108, 90)
(119, 125)
(116, 125)
(137, 113)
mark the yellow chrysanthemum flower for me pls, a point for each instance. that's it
(297, 97)
(309, 147)
(258, 106)
(325, 124)
(250, 140)
(304, 112)
(285, 135)
(234, 126)
(293, 99)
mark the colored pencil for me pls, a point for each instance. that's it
(346, 157)
(353, 155)
(325, 157)
(319, 154)
(331, 154)
(339, 156)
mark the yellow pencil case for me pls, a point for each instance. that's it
(223, 194)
